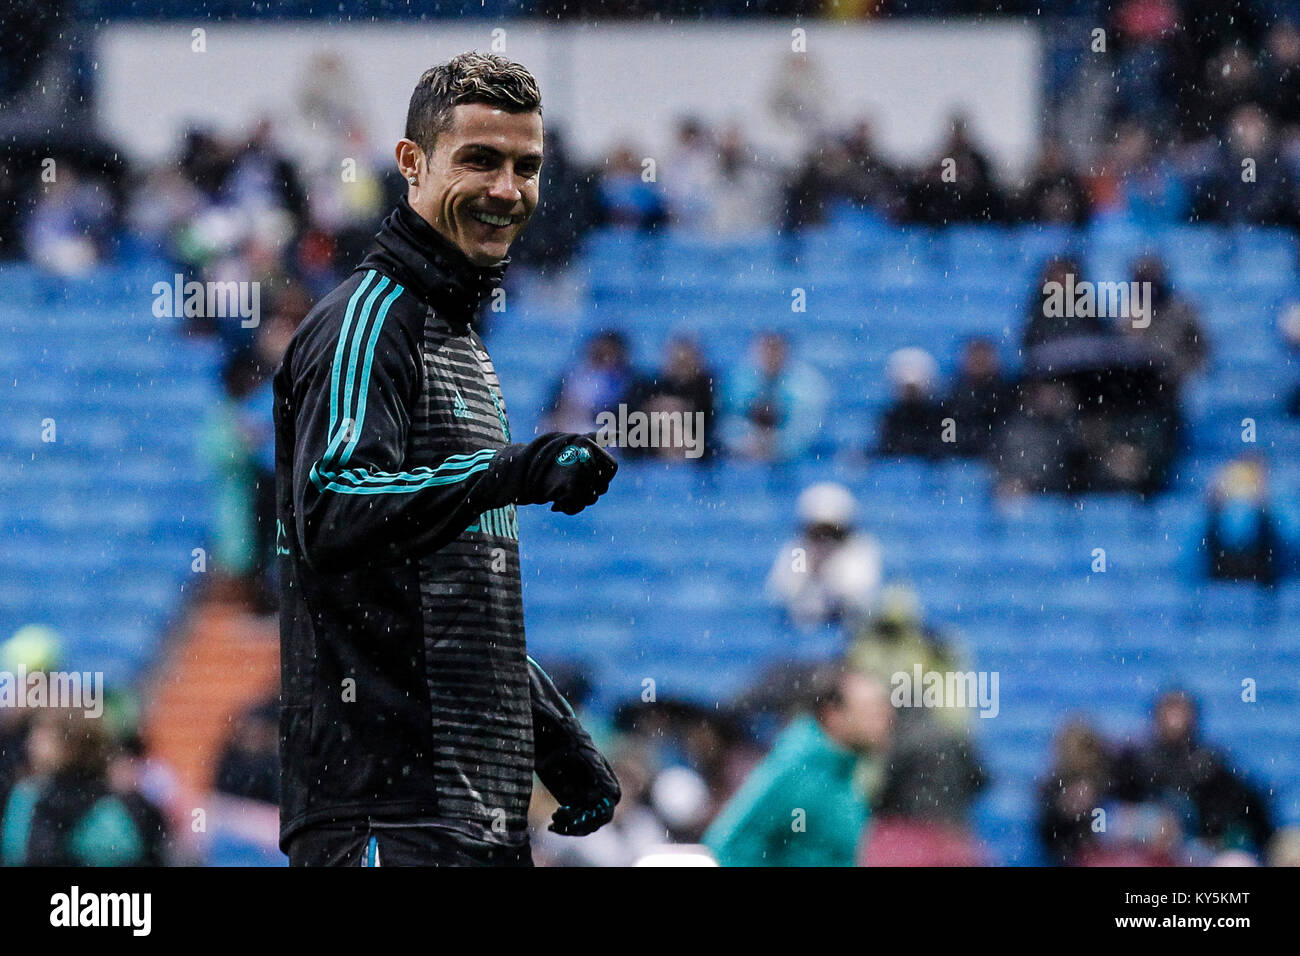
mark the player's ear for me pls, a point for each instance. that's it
(410, 158)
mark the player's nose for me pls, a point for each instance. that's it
(503, 187)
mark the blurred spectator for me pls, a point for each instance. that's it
(1054, 194)
(800, 806)
(1242, 537)
(979, 400)
(896, 640)
(815, 185)
(1144, 35)
(239, 444)
(690, 180)
(798, 97)
(842, 172)
(1280, 73)
(70, 225)
(1076, 787)
(680, 798)
(230, 464)
(1098, 396)
(719, 747)
(912, 426)
(1130, 449)
(64, 812)
(161, 204)
(13, 745)
(1176, 768)
(1137, 835)
(31, 648)
(1284, 848)
(1099, 413)
(1045, 323)
(345, 205)
(1041, 449)
(873, 183)
(260, 177)
(1230, 79)
(627, 199)
(1289, 327)
(684, 385)
(830, 573)
(249, 765)
(746, 187)
(205, 160)
(775, 405)
(150, 789)
(957, 185)
(1220, 25)
(602, 381)
(696, 758)
(1136, 440)
(1265, 197)
(328, 99)
(921, 816)
(1175, 335)
(1139, 184)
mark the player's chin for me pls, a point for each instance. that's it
(488, 252)
(487, 245)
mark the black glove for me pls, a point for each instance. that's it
(568, 763)
(568, 469)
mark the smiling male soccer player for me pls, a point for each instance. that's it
(412, 719)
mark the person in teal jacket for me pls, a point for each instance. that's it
(801, 805)
(775, 405)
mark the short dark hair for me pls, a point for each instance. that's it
(823, 689)
(467, 78)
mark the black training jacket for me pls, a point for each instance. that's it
(405, 682)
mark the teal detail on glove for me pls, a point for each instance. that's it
(571, 454)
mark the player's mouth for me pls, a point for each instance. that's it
(494, 220)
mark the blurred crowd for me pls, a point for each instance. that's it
(1198, 124)
(77, 788)
(1097, 405)
(1191, 93)
(812, 766)
(821, 766)
(1173, 799)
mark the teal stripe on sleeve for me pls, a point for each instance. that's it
(349, 384)
(341, 349)
(393, 489)
(365, 372)
(361, 481)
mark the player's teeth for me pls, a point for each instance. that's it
(492, 220)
